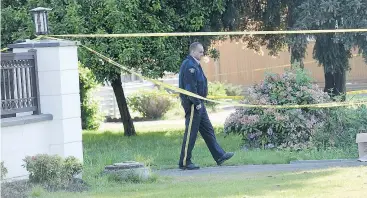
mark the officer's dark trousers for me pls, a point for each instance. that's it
(197, 120)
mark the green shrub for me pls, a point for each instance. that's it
(341, 127)
(37, 191)
(233, 90)
(71, 166)
(152, 104)
(4, 170)
(176, 111)
(90, 115)
(215, 89)
(51, 170)
(280, 128)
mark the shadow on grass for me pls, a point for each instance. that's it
(161, 150)
(151, 148)
(158, 149)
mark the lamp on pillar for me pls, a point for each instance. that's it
(40, 20)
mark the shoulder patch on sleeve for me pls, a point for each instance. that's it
(192, 70)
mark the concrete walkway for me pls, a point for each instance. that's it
(293, 166)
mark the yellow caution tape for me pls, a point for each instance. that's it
(357, 92)
(280, 66)
(227, 97)
(217, 97)
(4, 49)
(185, 92)
(242, 97)
(210, 33)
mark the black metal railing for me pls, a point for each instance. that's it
(19, 83)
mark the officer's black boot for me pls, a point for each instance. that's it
(225, 157)
(189, 167)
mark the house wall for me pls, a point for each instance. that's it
(242, 66)
(57, 130)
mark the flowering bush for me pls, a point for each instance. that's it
(281, 128)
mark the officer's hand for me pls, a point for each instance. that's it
(198, 106)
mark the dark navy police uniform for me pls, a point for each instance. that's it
(192, 78)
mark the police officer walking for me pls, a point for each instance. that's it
(192, 78)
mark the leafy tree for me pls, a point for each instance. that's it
(150, 56)
(90, 115)
(16, 21)
(332, 51)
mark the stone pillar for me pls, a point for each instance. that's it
(57, 63)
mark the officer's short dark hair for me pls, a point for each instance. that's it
(194, 45)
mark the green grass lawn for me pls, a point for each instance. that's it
(336, 182)
(160, 150)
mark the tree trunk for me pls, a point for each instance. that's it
(335, 83)
(296, 61)
(129, 129)
(340, 84)
(335, 60)
(329, 83)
